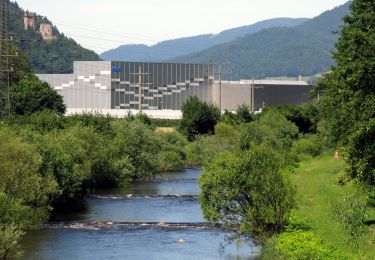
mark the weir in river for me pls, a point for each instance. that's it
(158, 219)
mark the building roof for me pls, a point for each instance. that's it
(267, 82)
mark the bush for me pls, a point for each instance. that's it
(31, 95)
(243, 114)
(271, 128)
(305, 116)
(64, 154)
(172, 155)
(198, 118)
(248, 189)
(206, 148)
(351, 212)
(10, 236)
(19, 175)
(299, 245)
(308, 146)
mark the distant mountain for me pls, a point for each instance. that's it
(53, 56)
(301, 50)
(169, 49)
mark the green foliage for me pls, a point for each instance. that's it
(351, 212)
(198, 118)
(10, 236)
(349, 98)
(307, 146)
(205, 148)
(30, 96)
(361, 153)
(19, 174)
(166, 122)
(271, 128)
(248, 189)
(25, 195)
(299, 245)
(172, 155)
(65, 155)
(243, 114)
(139, 144)
(305, 116)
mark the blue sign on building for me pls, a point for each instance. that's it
(116, 68)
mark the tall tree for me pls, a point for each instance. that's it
(348, 106)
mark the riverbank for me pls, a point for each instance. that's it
(317, 186)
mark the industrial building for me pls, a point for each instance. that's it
(160, 89)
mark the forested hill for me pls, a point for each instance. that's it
(301, 50)
(54, 56)
(173, 48)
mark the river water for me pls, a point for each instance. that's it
(144, 220)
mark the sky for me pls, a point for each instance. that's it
(106, 24)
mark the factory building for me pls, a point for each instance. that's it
(112, 87)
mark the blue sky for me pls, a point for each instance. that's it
(106, 24)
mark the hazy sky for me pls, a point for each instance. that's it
(104, 24)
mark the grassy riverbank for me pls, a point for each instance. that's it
(317, 188)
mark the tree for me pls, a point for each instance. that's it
(198, 118)
(349, 100)
(243, 114)
(248, 189)
(31, 95)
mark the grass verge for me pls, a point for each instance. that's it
(317, 187)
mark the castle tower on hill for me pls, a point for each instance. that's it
(29, 20)
(47, 31)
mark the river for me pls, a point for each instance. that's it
(159, 219)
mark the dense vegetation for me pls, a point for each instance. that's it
(47, 160)
(301, 50)
(54, 56)
(270, 175)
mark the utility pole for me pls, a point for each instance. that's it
(253, 95)
(140, 75)
(220, 76)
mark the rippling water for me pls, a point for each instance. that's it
(65, 241)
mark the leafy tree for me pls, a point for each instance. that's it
(349, 100)
(30, 96)
(19, 176)
(10, 236)
(272, 128)
(243, 114)
(248, 189)
(305, 116)
(198, 118)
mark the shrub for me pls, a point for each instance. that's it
(351, 212)
(198, 118)
(10, 236)
(31, 95)
(271, 128)
(308, 145)
(248, 189)
(243, 114)
(299, 245)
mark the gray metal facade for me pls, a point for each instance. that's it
(163, 85)
(116, 85)
(88, 87)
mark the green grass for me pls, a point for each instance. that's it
(317, 188)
